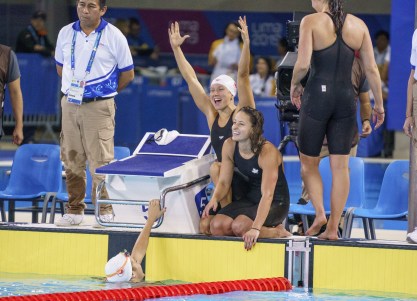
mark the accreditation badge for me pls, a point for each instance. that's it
(76, 91)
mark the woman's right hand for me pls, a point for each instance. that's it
(211, 205)
(175, 37)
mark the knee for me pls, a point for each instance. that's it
(217, 227)
(205, 226)
(239, 228)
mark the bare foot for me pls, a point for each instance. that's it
(329, 235)
(281, 232)
(316, 226)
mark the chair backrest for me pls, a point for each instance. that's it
(36, 168)
(356, 195)
(120, 152)
(393, 196)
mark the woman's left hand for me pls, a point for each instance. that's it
(250, 238)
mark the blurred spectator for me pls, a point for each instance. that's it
(262, 82)
(137, 45)
(224, 53)
(123, 26)
(34, 38)
(282, 48)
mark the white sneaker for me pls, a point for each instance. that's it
(412, 236)
(107, 218)
(68, 220)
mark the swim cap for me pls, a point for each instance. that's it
(226, 81)
(119, 268)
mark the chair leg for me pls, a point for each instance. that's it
(366, 227)
(2, 211)
(11, 210)
(347, 223)
(372, 228)
(304, 219)
(53, 208)
(48, 197)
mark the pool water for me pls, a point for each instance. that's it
(18, 285)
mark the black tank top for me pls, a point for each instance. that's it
(219, 134)
(250, 169)
(333, 63)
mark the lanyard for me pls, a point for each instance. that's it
(38, 39)
(92, 56)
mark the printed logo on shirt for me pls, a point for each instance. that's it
(221, 137)
(255, 171)
(323, 88)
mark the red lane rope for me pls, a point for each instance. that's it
(150, 292)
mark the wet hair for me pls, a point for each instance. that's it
(336, 10)
(257, 140)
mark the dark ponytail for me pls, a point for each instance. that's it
(336, 10)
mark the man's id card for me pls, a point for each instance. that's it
(76, 91)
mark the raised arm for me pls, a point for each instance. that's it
(196, 89)
(141, 244)
(225, 177)
(245, 93)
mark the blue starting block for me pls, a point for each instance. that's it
(176, 173)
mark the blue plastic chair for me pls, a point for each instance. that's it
(392, 202)
(356, 195)
(35, 177)
(61, 197)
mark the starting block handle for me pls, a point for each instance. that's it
(138, 202)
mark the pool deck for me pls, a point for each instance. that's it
(388, 264)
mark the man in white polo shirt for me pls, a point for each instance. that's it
(94, 61)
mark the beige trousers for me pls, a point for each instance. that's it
(87, 135)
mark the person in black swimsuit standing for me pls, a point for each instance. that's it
(266, 203)
(327, 43)
(218, 107)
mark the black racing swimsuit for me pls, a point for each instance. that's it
(328, 102)
(248, 204)
(219, 134)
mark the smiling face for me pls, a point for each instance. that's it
(242, 127)
(220, 96)
(90, 13)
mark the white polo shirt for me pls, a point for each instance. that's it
(113, 56)
(413, 58)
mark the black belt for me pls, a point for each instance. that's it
(88, 99)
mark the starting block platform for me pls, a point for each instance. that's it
(176, 173)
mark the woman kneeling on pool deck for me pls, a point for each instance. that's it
(125, 267)
(266, 203)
